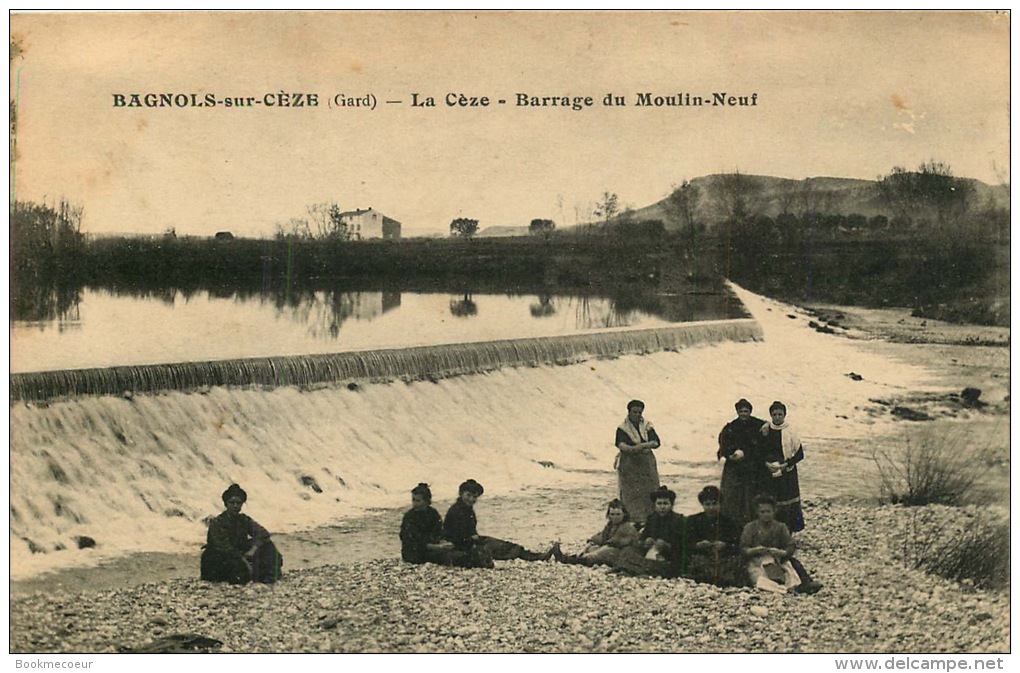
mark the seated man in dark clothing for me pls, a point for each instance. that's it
(478, 551)
(237, 549)
(713, 541)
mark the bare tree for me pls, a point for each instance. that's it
(329, 222)
(607, 207)
(681, 208)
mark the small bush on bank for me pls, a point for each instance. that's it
(964, 546)
(932, 467)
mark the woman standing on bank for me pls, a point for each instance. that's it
(636, 470)
(744, 471)
(782, 450)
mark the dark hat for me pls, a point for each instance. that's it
(234, 491)
(635, 403)
(424, 491)
(777, 405)
(471, 486)
(662, 492)
(743, 404)
(710, 493)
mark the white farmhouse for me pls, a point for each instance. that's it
(370, 223)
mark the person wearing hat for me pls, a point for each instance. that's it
(460, 527)
(663, 540)
(744, 472)
(714, 543)
(637, 473)
(238, 550)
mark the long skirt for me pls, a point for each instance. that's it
(722, 570)
(738, 493)
(786, 577)
(230, 566)
(632, 562)
(488, 549)
(637, 476)
(786, 489)
(596, 556)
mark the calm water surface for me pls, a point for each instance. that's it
(100, 328)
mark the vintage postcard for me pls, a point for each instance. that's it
(510, 331)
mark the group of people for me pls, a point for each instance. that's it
(742, 536)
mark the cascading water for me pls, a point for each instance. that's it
(142, 471)
(402, 363)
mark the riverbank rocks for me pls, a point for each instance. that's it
(871, 601)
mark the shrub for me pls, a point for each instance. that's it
(960, 545)
(932, 466)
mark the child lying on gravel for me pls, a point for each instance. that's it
(479, 551)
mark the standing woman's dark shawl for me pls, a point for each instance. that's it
(637, 473)
(742, 480)
(230, 537)
(782, 445)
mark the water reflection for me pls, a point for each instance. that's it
(463, 308)
(47, 305)
(58, 328)
(544, 308)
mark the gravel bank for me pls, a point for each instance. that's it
(869, 604)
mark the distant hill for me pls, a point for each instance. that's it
(502, 230)
(766, 195)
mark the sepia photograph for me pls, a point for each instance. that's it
(511, 332)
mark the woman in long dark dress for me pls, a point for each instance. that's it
(663, 541)
(636, 470)
(782, 450)
(238, 550)
(479, 551)
(744, 471)
(713, 540)
(421, 531)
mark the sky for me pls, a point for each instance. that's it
(845, 94)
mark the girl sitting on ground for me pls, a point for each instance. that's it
(238, 550)
(662, 541)
(478, 551)
(606, 546)
(714, 540)
(421, 531)
(767, 547)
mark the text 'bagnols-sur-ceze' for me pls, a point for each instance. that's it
(418, 100)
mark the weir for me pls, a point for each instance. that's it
(417, 363)
(142, 472)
